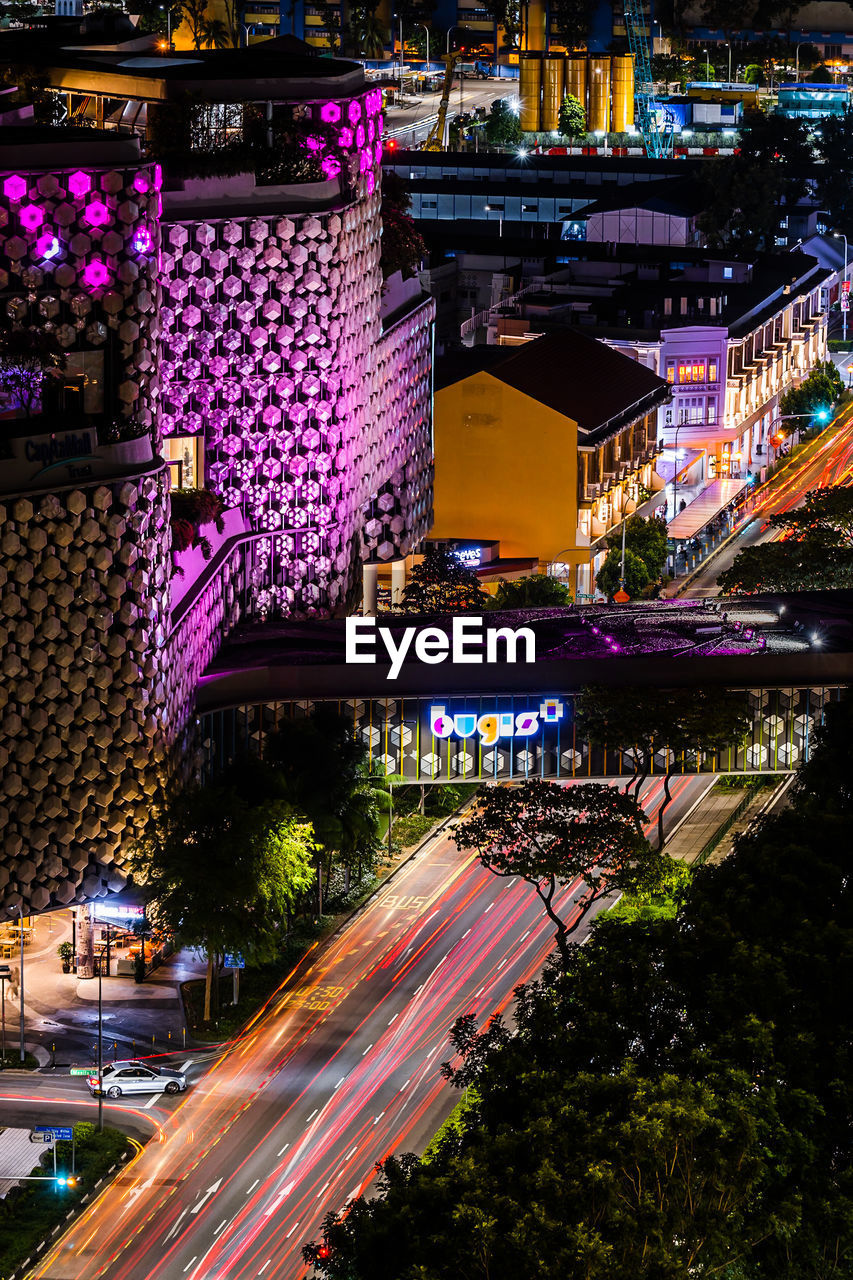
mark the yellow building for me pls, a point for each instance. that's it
(545, 447)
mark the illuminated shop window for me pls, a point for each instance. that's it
(184, 456)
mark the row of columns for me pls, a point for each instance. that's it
(369, 582)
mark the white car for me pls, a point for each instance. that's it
(120, 1078)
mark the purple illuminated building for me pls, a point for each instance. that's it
(225, 334)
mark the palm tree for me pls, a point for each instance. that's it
(215, 34)
(369, 33)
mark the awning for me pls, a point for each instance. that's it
(702, 510)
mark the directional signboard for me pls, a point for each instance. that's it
(59, 1133)
(83, 1071)
(234, 961)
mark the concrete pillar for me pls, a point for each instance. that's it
(368, 599)
(85, 943)
(398, 581)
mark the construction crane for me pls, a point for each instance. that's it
(657, 140)
(435, 137)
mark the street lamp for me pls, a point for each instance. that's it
(849, 376)
(845, 301)
(797, 64)
(675, 470)
(426, 29)
(165, 8)
(729, 47)
(707, 65)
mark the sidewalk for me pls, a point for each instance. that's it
(61, 1011)
(714, 811)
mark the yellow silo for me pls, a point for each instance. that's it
(529, 89)
(576, 78)
(622, 109)
(598, 114)
(552, 91)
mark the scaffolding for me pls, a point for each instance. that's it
(657, 136)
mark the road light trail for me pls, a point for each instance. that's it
(343, 1069)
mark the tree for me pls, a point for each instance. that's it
(539, 591)
(324, 772)
(588, 836)
(330, 20)
(649, 721)
(402, 245)
(572, 121)
(365, 33)
(28, 358)
(571, 21)
(215, 34)
(746, 192)
(506, 14)
(821, 390)
(222, 873)
(834, 147)
(647, 538)
(815, 554)
(502, 126)
(442, 584)
(637, 578)
(194, 13)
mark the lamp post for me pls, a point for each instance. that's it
(729, 47)
(447, 52)
(797, 64)
(426, 29)
(23, 1048)
(675, 470)
(165, 8)
(839, 235)
(707, 65)
(100, 1047)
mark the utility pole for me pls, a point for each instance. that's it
(100, 1048)
(23, 1048)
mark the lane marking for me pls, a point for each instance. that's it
(312, 1115)
(290, 1233)
(284, 1148)
(254, 1184)
(264, 1267)
(189, 1264)
(351, 1153)
(221, 1225)
(367, 1050)
(150, 1103)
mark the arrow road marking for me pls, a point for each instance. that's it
(211, 1191)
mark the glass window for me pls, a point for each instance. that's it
(712, 371)
(184, 455)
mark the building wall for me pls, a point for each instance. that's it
(505, 469)
(274, 352)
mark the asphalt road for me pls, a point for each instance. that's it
(832, 464)
(473, 93)
(339, 1070)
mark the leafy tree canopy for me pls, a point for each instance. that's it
(403, 248)
(538, 591)
(553, 836)
(647, 538)
(822, 389)
(572, 121)
(815, 553)
(637, 576)
(671, 1100)
(502, 125)
(442, 584)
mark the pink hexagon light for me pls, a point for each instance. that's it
(330, 113)
(79, 184)
(96, 214)
(47, 245)
(96, 274)
(15, 188)
(31, 217)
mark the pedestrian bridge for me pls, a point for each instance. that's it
(450, 723)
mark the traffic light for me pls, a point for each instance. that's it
(323, 1253)
(67, 1180)
(392, 144)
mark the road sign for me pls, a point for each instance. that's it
(61, 1134)
(83, 1071)
(235, 961)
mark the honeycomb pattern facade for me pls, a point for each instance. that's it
(263, 337)
(313, 421)
(78, 258)
(83, 574)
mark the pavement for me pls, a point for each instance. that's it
(61, 1011)
(713, 812)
